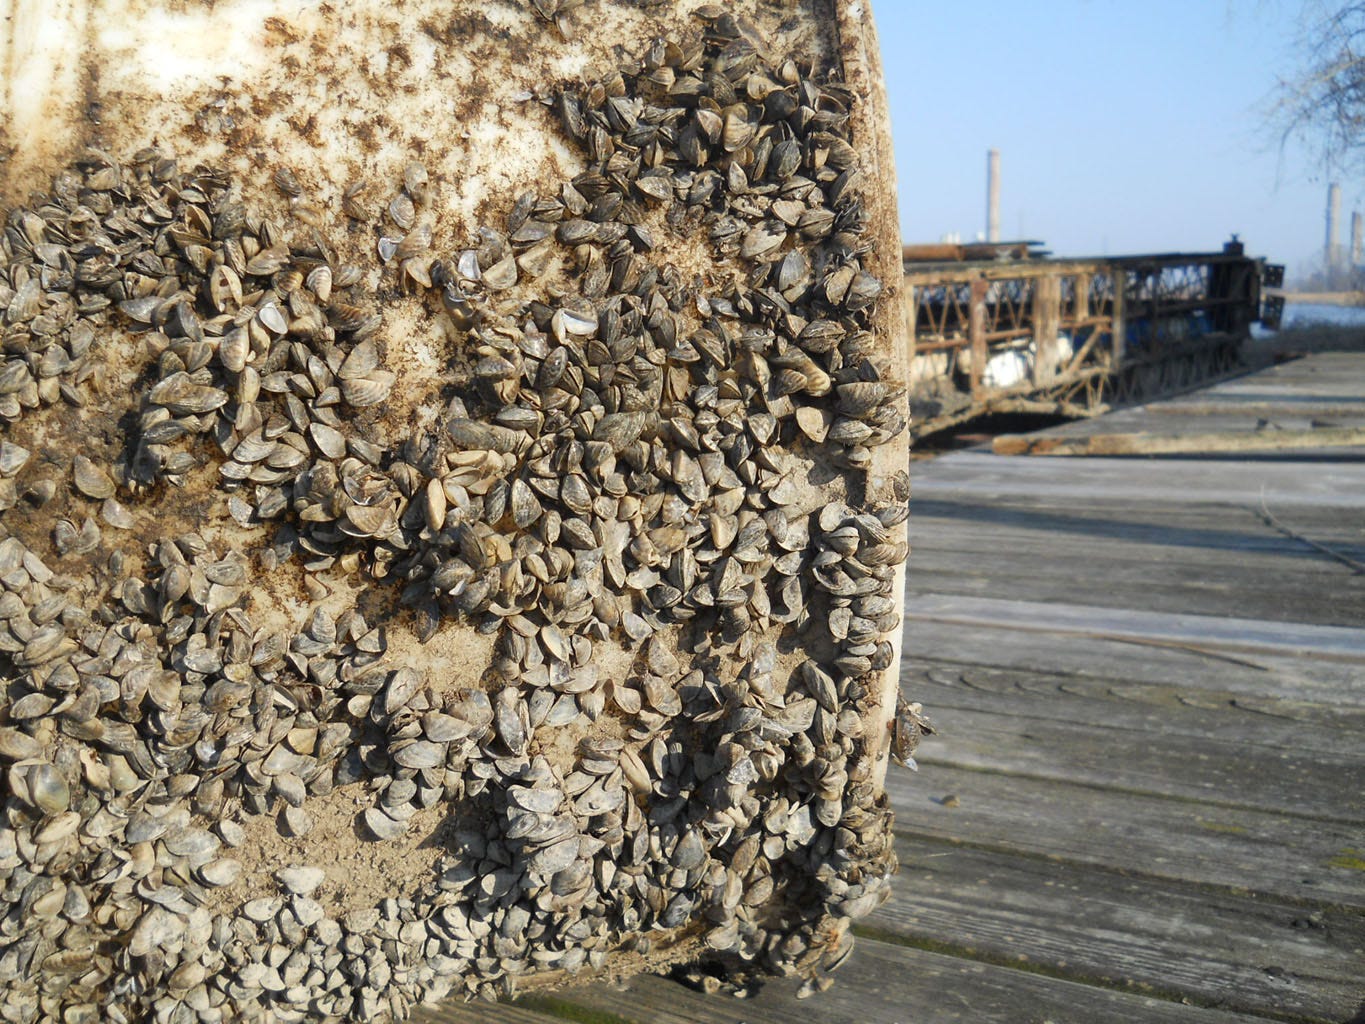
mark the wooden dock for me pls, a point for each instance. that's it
(1146, 800)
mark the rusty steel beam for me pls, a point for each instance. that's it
(952, 252)
(939, 271)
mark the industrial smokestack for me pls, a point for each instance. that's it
(1357, 229)
(1332, 251)
(993, 195)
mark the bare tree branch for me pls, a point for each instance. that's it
(1323, 104)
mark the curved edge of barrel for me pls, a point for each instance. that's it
(860, 56)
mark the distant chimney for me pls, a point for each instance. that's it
(1331, 256)
(993, 195)
(1357, 229)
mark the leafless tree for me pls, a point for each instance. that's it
(1323, 104)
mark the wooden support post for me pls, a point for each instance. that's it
(1080, 301)
(976, 332)
(1119, 286)
(1080, 310)
(1047, 301)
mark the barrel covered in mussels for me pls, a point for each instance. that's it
(452, 502)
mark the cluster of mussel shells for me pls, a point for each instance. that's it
(622, 468)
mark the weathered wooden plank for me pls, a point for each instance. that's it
(1308, 599)
(1233, 774)
(1253, 636)
(884, 983)
(1250, 678)
(1267, 724)
(1251, 955)
(1161, 837)
(459, 1012)
(1322, 376)
(1198, 537)
(1317, 374)
(1194, 535)
(1289, 422)
(1213, 419)
(1208, 408)
(1145, 443)
(1327, 380)
(1088, 512)
(1296, 571)
(1302, 572)
(1280, 482)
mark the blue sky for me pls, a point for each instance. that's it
(1134, 126)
